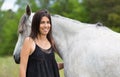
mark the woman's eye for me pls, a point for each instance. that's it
(48, 22)
(42, 22)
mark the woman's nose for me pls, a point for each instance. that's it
(46, 24)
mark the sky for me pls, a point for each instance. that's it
(9, 4)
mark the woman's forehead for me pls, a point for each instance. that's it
(44, 18)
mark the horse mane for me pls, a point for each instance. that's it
(68, 19)
(72, 24)
(76, 21)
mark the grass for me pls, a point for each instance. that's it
(8, 68)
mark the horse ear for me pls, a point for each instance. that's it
(28, 10)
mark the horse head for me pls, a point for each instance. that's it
(23, 31)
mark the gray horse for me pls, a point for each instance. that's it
(88, 50)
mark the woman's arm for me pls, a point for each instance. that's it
(25, 51)
(60, 65)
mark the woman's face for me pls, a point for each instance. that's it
(44, 25)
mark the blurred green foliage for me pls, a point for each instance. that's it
(8, 32)
(70, 8)
(87, 11)
(104, 11)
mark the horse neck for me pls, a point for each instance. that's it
(64, 32)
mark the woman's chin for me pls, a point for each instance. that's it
(45, 33)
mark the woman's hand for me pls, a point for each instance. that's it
(60, 65)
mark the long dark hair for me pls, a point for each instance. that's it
(35, 26)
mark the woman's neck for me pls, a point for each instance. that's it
(42, 37)
(43, 42)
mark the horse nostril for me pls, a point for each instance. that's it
(20, 31)
(17, 60)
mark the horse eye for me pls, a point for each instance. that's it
(20, 31)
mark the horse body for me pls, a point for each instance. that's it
(88, 50)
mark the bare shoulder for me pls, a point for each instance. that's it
(26, 48)
(29, 44)
(29, 40)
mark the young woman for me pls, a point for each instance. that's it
(37, 57)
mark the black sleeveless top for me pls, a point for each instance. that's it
(42, 64)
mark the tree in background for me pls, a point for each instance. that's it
(1, 15)
(35, 4)
(70, 8)
(8, 33)
(1, 2)
(105, 11)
